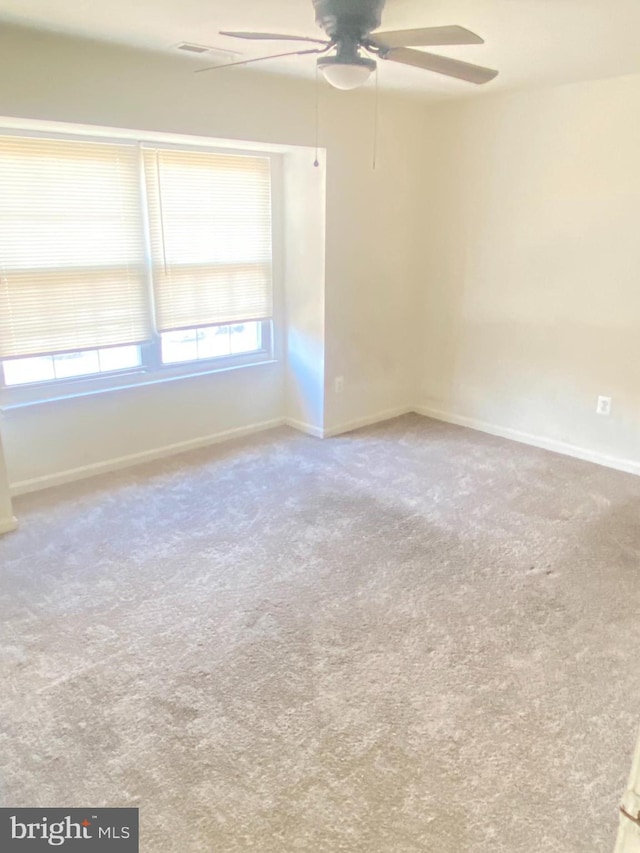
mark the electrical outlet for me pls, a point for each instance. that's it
(338, 384)
(604, 406)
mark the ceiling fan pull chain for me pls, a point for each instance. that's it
(164, 245)
(316, 162)
(376, 111)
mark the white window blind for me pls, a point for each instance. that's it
(210, 225)
(72, 260)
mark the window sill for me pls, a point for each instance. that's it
(10, 401)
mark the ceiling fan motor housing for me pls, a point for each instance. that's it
(349, 19)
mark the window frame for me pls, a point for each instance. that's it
(152, 370)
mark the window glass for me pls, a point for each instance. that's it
(24, 371)
(211, 342)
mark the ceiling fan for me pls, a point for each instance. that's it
(350, 27)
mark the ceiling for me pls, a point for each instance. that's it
(533, 43)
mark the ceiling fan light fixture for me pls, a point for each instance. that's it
(342, 74)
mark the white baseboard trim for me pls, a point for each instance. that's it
(25, 486)
(302, 426)
(630, 466)
(368, 420)
(22, 487)
(33, 485)
(8, 524)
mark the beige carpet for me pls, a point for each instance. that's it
(411, 638)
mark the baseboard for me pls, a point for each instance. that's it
(35, 484)
(8, 524)
(368, 420)
(24, 486)
(302, 426)
(619, 464)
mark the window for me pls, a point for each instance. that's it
(45, 368)
(126, 258)
(211, 342)
(210, 224)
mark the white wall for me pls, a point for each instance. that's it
(531, 292)
(7, 520)
(47, 443)
(367, 308)
(304, 299)
(372, 264)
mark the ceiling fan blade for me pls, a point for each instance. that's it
(270, 37)
(427, 37)
(257, 59)
(441, 65)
